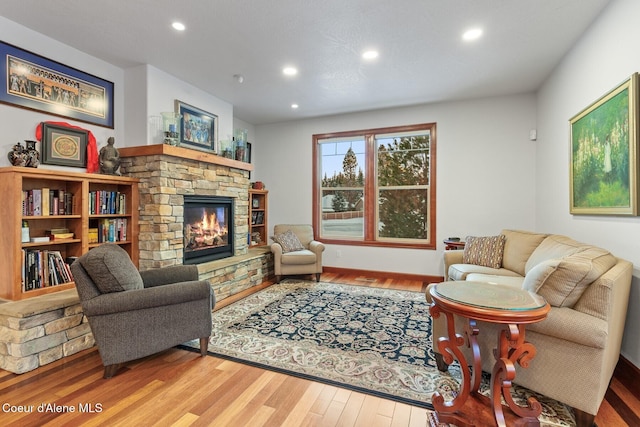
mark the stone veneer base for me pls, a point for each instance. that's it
(41, 330)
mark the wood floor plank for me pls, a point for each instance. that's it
(303, 406)
(351, 410)
(401, 415)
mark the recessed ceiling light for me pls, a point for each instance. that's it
(370, 54)
(290, 71)
(294, 106)
(472, 34)
(178, 26)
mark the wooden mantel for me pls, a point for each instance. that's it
(183, 153)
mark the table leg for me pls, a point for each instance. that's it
(512, 349)
(449, 412)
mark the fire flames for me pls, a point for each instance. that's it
(205, 233)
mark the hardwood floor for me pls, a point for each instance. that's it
(180, 388)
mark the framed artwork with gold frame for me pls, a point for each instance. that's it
(604, 154)
(64, 146)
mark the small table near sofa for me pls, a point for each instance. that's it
(512, 307)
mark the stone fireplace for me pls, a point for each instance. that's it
(169, 175)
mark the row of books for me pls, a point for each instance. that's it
(42, 268)
(46, 201)
(103, 202)
(109, 230)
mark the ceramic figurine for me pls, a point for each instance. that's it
(109, 158)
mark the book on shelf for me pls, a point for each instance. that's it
(43, 268)
(112, 230)
(58, 230)
(102, 202)
(42, 239)
(46, 201)
(93, 235)
(37, 202)
(61, 236)
(46, 209)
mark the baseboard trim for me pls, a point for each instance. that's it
(383, 274)
(628, 374)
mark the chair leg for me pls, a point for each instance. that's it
(204, 345)
(440, 363)
(110, 370)
(318, 277)
(584, 419)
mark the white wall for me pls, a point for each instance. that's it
(485, 174)
(20, 124)
(606, 55)
(162, 91)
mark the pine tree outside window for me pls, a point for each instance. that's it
(376, 187)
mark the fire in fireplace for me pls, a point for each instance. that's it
(208, 228)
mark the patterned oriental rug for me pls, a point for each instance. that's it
(372, 340)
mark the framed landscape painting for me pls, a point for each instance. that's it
(604, 154)
(34, 82)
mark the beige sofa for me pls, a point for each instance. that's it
(578, 344)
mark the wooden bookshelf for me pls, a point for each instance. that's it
(258, 203)
(75, 215)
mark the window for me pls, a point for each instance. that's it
(376, 187)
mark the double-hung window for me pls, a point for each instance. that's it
(376, 187)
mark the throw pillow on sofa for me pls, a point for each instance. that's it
(562, 281)
(485, 251)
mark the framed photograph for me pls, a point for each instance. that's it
(255, 203)
(198, 129)
(604, 154)
(36, 83)
(64, 146)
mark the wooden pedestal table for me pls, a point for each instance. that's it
(512, 307)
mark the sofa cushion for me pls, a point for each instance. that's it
(289, 242)
(462, 271)
(553, 247)
(111, 269)
(518, 247)
(562, 281)
(486, 251)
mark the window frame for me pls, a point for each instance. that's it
(371, 188)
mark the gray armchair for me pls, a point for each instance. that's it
(135, 314)
(295, 251)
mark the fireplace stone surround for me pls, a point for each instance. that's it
(169, 173)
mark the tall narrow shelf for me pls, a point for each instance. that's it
(258, 203)
(75, 216)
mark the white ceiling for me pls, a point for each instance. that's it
(422, 56)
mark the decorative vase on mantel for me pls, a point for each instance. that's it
(171, 128)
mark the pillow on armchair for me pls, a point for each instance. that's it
(485, 251)
(289, 242)
(111, 269)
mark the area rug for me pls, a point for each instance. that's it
(373, 340)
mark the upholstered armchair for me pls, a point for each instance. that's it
(295, 251)
(135, 314)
